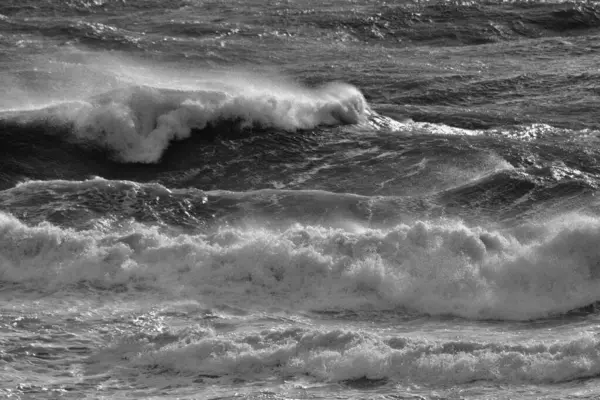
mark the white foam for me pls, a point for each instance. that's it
(336, 355)
(136, 110)
(139, 122)
(429, 267)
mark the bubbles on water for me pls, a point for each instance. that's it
(430, 267)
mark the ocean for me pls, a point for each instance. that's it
(277, 199)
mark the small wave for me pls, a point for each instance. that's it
(138, 123)
(79, 204)
(353, 357)
(451, 23)
(96, 32)
(436, 268)
(85, 7)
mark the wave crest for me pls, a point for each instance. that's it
(138, 123)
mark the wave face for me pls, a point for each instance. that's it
(137, 124)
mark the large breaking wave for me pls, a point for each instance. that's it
(428, 267)
(137, 124)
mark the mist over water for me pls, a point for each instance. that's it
(246, 200)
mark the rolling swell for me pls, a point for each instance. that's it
(506, 197)
(475, 178)
(441, 23)
(450, 23)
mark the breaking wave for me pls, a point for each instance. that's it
(433, 268)
(356, 358)
(137, 124)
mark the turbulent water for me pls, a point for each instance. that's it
(349, 199)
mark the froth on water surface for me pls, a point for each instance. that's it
(430, 268)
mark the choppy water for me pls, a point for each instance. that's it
(299, 200)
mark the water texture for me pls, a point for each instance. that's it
(341, 199)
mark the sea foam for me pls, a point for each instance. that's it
(338, 355)
(137, 123)
(429, 267)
